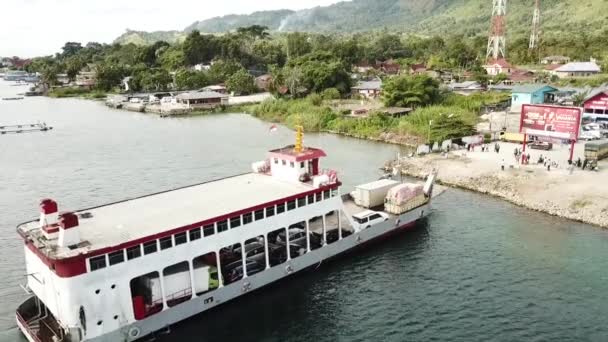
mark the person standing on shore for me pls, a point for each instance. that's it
(502, 164)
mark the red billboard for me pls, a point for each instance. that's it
(600, 101)
(550, 121)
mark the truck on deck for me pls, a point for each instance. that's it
(404, 197)
(372, 194)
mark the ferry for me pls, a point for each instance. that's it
(127, 270)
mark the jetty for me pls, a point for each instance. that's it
(25, 128)
(12, 98)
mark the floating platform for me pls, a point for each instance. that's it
(26, 128)
(12, 98)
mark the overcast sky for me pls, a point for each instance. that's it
(40, 27)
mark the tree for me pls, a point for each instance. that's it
(241, 83)
(71, 49)
(172, 58)
(189, 79)
(109, 75)
(298, 44)
(220, 71)
(254, 31)
(156, 79)
(199, 48)
(410, 91)
(73, 65)
(578, 99)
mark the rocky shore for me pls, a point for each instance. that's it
(581, 196)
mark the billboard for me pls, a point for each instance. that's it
(550, 121)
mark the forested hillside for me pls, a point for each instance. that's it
(467, 17)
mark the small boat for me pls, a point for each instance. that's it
(12, 98)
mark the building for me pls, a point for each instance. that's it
(465, 88)
(263, 82)
(519, 76)
(87, 79)
(498, 66)
(577, 69)
(389, 67)
(218, 88)
(596, 104)
(202, 100)
(531, 94)
(417, 69)
(555, 60)
(369, 89)
(363, 68)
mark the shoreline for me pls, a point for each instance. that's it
(501, 185)
(530, 187)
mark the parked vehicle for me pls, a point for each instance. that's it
(278, 253)
(368, 218)
(253, 251)
(590, 135)
(540, 145)
(372, 194)
(512, 137)
(236, 273)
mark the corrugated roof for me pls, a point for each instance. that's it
(375, 85)
(200, 95)
(594, 92)
(530, 88)
(579, 67)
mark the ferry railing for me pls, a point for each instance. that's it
(33, 334)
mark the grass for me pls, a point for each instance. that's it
(455, 117)
(77, 92)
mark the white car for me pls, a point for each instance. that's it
(590, 135)
(368, 218)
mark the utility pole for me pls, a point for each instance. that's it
(535, 35)
(496, 41)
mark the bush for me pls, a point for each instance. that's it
(315, 99)
(331, 94)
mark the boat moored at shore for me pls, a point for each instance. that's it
(125, 270)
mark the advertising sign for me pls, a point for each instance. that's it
(597, 102)
(550, 121)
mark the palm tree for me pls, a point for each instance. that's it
(579, 98)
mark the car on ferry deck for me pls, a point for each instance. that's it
(368, 218)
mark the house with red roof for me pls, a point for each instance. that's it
(498, 66)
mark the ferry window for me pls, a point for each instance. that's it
(280, 208)
(195, 234)
(311, 199)
(334, 192)
(301, 165)
(284, 162)
(276, 160)
(180, 238)
(166, 242)
(301, 202)
(97, 262)
(319, 196)
(291, 205)
(133, 252)
(150, 247)
(270, 211)
(291, 164)
(259, 215)
(222, 226)
(235, 222)
(116, 257)
(247, 218)
(208, 230)
(326, 194)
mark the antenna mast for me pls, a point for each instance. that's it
(535, 35)
(496, 41)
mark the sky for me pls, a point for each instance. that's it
(30, 28)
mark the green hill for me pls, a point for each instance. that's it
(469, 17)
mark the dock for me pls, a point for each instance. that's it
(25, 128)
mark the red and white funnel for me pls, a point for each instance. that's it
(49, 218)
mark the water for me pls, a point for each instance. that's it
(481, 270)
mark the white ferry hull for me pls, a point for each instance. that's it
(234, 290)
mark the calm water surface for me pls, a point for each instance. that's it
(481, 270)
